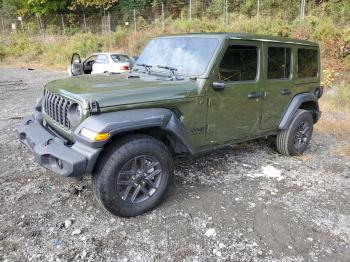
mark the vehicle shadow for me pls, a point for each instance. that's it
(219, 162)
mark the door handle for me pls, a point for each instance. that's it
(286, 92)
(255, 95)
(218, 86)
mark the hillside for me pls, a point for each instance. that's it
(47, 38)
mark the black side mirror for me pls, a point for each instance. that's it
(218, 86)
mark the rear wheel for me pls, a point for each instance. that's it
(295, 140)
(133, 176)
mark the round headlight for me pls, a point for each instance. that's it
(74, 113)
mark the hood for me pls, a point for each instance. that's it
(112, 90)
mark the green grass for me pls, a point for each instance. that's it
(60, 51)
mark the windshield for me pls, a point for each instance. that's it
(120, 58)
(189, 55)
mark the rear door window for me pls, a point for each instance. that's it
(240, 63)
(101, 59)
(279, 60)
(307, 63)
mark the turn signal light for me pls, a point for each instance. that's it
(102, 137)
(93, 135)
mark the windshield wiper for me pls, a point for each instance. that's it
(147, 67)
(172, 72)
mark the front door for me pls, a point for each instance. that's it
(88, 63)
(278, 83)
(76, 66)
(234, 109)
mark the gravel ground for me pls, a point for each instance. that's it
(243, 203)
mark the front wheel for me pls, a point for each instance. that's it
(295, 139)
(133, 176)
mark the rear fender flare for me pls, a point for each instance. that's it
(294, 105)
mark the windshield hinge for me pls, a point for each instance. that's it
(94, 107)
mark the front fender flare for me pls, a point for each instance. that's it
(131, 120)
(294, 105)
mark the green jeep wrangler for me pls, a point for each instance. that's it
(186, 94)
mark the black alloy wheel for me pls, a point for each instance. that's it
(133, 175)
(139, 179)
(302, 135)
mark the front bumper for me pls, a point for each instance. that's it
(51, 152)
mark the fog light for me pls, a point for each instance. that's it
(93, 135)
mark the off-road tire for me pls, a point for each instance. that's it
(286, 139)
(111, 165)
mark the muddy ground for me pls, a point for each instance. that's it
(243, 203)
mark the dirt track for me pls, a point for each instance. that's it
(243, 203)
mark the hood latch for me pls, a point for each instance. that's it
(94, 107)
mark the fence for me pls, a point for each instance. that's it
(105, 21)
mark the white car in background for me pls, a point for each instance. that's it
(101, 63)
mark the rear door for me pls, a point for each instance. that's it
(101, 64)
(235, 96)
(277, 83)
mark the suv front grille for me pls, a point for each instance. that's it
(56, 107)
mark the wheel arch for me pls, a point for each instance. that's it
(306, 101)
(159, 123)
(313, 107)
(172, 141)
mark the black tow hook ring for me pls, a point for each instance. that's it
(29, 122)
(49, 141)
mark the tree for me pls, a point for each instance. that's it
(42, 7)
(93, 3)
(10, 7)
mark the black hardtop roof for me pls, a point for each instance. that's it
(243, 36)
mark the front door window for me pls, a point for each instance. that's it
(240, 63)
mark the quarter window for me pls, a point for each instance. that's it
(307, 63)
(120, 58)
(240, 63)
(278, 63)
